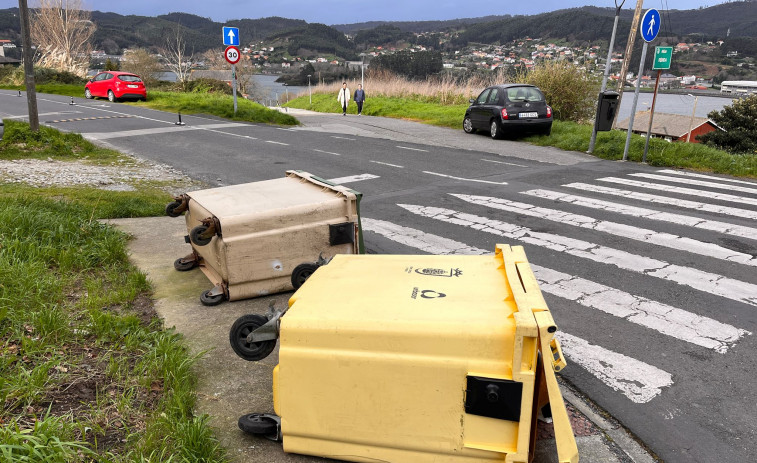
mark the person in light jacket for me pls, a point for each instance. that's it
(359, 98)
(344, 98)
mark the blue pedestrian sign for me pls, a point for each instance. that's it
(231, 36)
(650, 25)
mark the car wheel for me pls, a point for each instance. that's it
(547, 131)
(87, 94)
(496, 132)
(468, 125)
(111, 96)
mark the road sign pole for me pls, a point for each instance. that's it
(627, 55)
(635, 99)
(234, 85)
(651, 116)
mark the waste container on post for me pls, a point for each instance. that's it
(416, 359)
(607, 106)
(261, 238)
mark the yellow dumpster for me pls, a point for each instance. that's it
(265, 237)
(415, 359)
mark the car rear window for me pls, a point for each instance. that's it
(520, 94)
(128, 78)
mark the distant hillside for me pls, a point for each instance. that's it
(315, 39)
(416, 26)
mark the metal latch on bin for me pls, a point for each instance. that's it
(270, 330)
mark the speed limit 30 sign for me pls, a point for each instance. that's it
(232, 54)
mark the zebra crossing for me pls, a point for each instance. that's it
(635, 376)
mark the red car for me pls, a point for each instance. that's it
(116, 85)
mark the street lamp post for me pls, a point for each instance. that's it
(286, 88)
(362, 70)
(310, 92)
(691, 121)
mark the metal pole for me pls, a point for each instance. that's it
(234, 85)
(635, 100)
(627, 55)
(362, 72)
(602, 89)
(651, 116)
(691, 121)
(28, 55)
(310, 92)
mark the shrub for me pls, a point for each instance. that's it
(206, 85)
(738, 121)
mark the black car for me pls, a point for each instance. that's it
(509, 109)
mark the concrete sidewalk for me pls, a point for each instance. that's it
(230, 387)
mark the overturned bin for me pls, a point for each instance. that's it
(265, 237)
(413, 359)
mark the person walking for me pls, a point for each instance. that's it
(344, 98)
(359, 99)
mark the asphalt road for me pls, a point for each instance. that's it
(650, 273)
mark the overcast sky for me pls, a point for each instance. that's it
(353, 11)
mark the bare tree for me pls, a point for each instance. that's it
(245, 70)
(174, 51)
(142, 63)
(62, 31)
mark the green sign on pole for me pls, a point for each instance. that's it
(662, 58)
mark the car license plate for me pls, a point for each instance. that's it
(527, 115)
(137, 86)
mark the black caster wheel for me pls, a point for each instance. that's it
(257, 424)
(184, 265)
(209, 300)
(171, 209)
(301, 273)
(194, 235)
(252, 352)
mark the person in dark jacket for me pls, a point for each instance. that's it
(359, 98)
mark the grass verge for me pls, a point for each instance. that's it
(187, 103)
(87, 374)
(568, 136)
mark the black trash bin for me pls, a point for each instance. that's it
(606, 109)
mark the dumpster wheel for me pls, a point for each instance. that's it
(210, 300)
(301, 273)
(184, 264)
(171, 209)
(195, 235)
(259, 424)
(241, 328)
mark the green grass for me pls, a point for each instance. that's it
(568, 136)
(188, 103)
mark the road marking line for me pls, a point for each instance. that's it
(327, 152)
(681, 190)
(387, 164)
(153, 131)
(57, 113)
(617, 371)
(694, 278)
(343, 138)
(232, 134)
(731, 211)
(464, 179)
(277, 143)
(711, 177)
(638, 381)
(353, 178)
(502, 162)
(411, 149)
(651, 214)
(689, 181)
(643, 235)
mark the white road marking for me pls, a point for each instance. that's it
(342, 138)
(327, 152)
(353, 178)
(156, 130)
(731, 211)
(633, 211)
(694, 278)
(638, 381)
(277, 142)
(618, 229)
(387, 164)
(59, 113)
(710, 177)
(689, 181)
(681, 190)
(232, 134)
(502, 162)
(412, 149)
(464, 179)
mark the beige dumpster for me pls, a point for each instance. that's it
(266, 237)
(414, 359)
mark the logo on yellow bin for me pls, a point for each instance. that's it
(439, 272)
(427, 294)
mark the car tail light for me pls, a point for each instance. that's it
(549, 111)
(504, 114)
